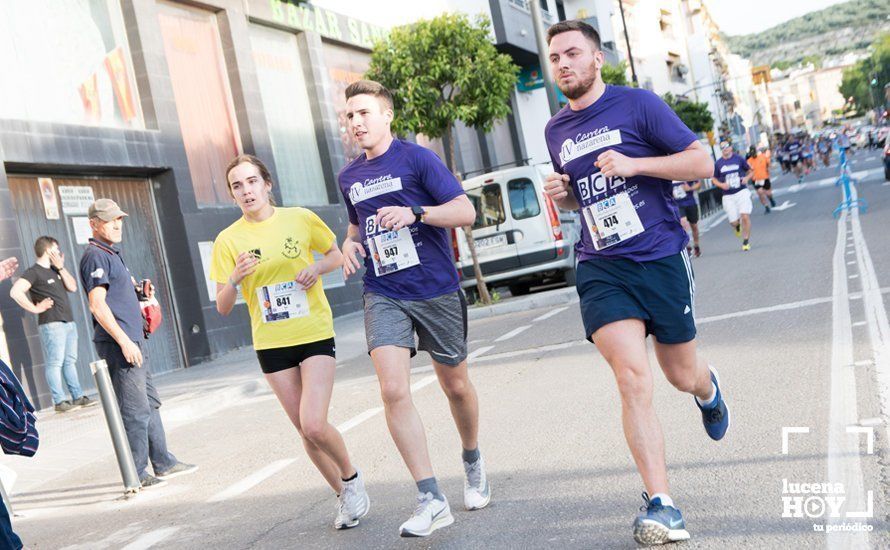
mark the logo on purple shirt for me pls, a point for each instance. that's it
(635, 123)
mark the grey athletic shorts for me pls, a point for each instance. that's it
(440, 324)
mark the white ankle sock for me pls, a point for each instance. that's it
(709, 401)
(665, 500)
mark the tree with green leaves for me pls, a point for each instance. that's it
(441, 71)
(615, 74)
(694, 114)
(865, 80)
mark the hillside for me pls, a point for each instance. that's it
(835, 30)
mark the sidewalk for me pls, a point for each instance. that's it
(72, 440)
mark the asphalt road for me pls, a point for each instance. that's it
(772, 321)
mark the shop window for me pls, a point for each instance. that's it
(67, 61)
(203, 98)
(288, 117)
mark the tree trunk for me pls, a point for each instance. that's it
(481, 287)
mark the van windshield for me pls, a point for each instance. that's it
(523, 199)
(489, 205)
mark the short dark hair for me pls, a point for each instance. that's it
(369, 87)
(261, 166)
(575, 25)
(42, 244)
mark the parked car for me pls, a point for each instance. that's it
(522, 238)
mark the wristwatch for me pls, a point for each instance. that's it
(418, 213)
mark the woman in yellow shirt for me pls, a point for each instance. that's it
(268, 252)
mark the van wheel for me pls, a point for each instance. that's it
(519, 289)
(569, 275)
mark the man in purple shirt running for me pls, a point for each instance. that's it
(401, 200)
(615, 151)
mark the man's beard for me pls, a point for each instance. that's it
(580, 88)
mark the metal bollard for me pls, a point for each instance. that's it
(115, 426)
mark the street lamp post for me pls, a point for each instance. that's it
(630, 57)
(543, 57)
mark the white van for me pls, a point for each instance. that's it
(522, 238)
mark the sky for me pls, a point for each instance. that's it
(744, 17)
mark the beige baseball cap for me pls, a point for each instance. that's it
(106, 210)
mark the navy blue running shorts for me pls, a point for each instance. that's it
(661, 293)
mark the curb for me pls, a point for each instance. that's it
(543, 299)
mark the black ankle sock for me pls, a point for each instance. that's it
(354, 476)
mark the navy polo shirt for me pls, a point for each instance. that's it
(102, 265)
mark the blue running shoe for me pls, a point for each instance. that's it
(716, 416)
(659, 524)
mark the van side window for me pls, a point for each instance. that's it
(489, 205)
(523, 199)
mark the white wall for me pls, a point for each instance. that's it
(533, 111)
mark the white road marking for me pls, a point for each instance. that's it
(422, 383)
(713, 223)
(784, 206)
(859, 323)
(252, 480)
(758, 310)
(150, 539)
(532, 351)
(550, 314)
(479, 352)
(875, 312)
(843, 452)
(515, 332)
(358, 419)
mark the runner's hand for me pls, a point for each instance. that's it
(307, 278)
(244, 266)
(556, 186)
(8, 267)
(132, 353)
(395, 217)
(351, 263)
(57, 259)
(612, 163)
(44, 305)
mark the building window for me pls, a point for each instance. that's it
(289, 120)
(67, 61)
(203, 98)
(345, 66)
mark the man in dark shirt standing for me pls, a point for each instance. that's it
(43, 289)
(118, 336)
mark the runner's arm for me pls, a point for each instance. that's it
(720, 184)
(692, 163)
(227, 293)
(457, 212)
(351, 245)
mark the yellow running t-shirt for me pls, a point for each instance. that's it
(284, 243)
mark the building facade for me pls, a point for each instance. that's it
(146, 102)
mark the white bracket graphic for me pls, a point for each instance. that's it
(791, 430)
(869, 431)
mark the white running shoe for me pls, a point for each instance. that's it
(477, 491)
(353, 503)
(430, 514)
